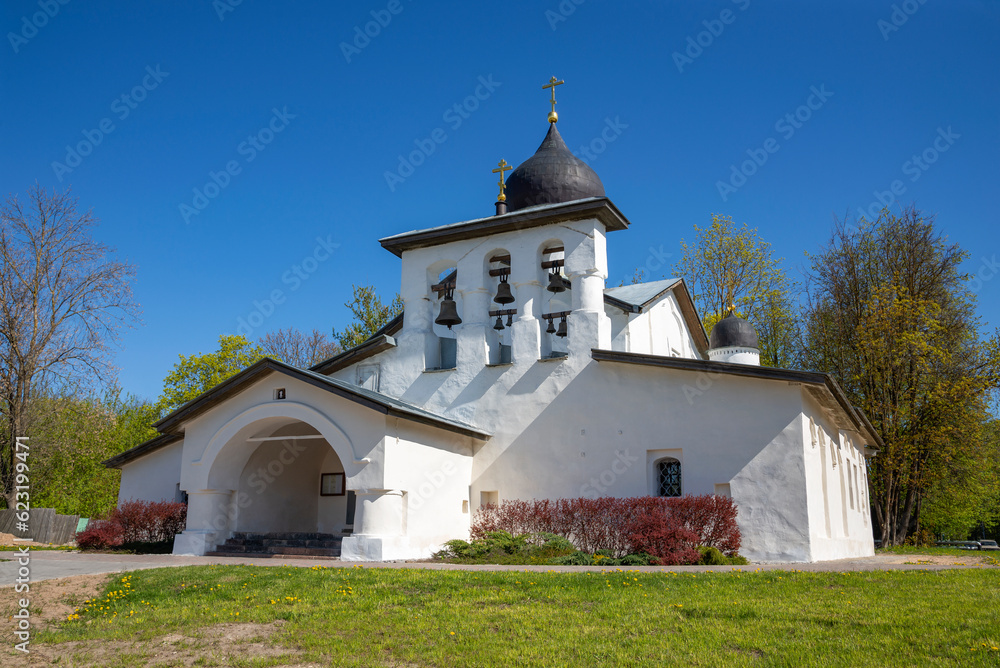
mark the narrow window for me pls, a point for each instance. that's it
(668, 477)
(368, 376)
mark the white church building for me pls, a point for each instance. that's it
(515, 372)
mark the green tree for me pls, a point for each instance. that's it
(729, 266)
(71, 437)
(968, 493)
(370, 315)
(891, 317)
(64, 298)
(195, 374)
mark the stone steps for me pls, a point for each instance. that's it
(301, 545)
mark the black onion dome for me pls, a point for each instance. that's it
(552, 175)
(733, 332)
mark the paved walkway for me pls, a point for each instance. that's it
(48, 565)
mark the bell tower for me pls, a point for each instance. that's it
(527, 283)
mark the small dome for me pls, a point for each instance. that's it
(552, 175)
(733, 332)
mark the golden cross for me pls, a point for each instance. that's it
(553, 82)
(502, 167)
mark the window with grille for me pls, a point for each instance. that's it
(668, 477)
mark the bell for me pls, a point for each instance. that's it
(557, 282)
(449, 313)
(551, 329)
(510, 319)
(504, 295)
(499, 324)
(562, 327)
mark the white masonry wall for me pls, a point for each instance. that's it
(154, 477)
(837, 479)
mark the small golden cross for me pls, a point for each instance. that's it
(502, 167)
(553, 82)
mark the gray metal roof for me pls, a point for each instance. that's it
(373, 400)
(641, 294)
(600, 208)
(401, 407)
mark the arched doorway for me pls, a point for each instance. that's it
(292, 482)
(260, 472)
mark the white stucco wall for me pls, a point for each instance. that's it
(837, 478)
(658, 330)
(154, 477)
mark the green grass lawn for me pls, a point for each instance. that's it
(386, 617)
(944, 551)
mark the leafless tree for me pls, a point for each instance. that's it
(64, 298)
(297, 348)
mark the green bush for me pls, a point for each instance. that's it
(712, 557)
(577, 558)
(499, 547)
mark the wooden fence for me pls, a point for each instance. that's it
(44, 526)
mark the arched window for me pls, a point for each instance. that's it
(668, 477)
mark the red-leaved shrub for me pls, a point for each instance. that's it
(655, 530)
(99, 535)
(712, 517)
(669, 528)
(135, 522)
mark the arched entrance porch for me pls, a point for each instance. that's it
(262, 474)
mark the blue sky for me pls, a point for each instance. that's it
(286, 119)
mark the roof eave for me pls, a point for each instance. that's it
(242, 380)
(378, 342)
(601, 208)
(141, 450)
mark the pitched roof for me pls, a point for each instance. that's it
(376, 343)
(142, 449)
(600, 208)
(637, 297)
(823, 386)
(640, 295)
(374, 400)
